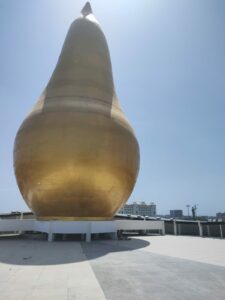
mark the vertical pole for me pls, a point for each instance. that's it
(200, 229)
(163, 228)
(50, 234)
(114, 235)
(208, 230)
(50, 237)
(174, 227)
(21, 218)
(82, 237)
(88, 232)
(221, 231)
(145, 225)
(179, 229)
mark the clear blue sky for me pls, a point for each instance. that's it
(168, 62)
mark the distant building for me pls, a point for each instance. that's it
(142, 209)
(220, 216)
(176, 213)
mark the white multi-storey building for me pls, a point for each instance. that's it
(141, 209)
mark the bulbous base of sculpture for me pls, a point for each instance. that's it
(75, 166)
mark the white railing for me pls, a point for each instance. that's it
(140, 225)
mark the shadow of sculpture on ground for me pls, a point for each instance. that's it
(18, 251)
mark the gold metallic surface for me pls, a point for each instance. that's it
(75, 155)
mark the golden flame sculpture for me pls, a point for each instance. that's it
(76, 155)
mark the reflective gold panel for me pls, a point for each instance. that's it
(76, 155)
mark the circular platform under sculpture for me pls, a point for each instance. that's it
(75, 154)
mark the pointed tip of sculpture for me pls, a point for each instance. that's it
(86, 9)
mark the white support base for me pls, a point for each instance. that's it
(114, 236)
(85, 228)
(50, 237)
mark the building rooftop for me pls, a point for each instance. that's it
(149, 267)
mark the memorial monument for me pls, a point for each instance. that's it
(76, 156)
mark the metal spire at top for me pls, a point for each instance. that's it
(86, 9)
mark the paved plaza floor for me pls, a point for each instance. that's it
(150, 267)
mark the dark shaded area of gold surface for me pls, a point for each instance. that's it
(75, 155)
